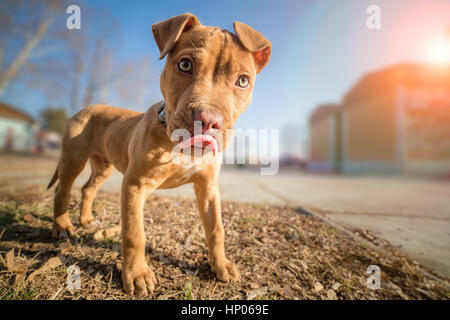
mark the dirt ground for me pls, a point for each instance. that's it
(282, 253)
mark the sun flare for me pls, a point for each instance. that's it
(439, 51)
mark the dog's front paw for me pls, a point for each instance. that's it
(225, 270)
(138, 278)
(62, 228)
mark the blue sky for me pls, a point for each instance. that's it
(320, 47)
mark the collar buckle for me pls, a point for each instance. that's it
(162, 113)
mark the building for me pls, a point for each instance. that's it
(323, 127)
(17, 130)
(396, 120)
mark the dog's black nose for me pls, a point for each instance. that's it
(209, 119)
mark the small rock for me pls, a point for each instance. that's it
(99, 235)
(253, 285)
(331, 295)
(252, 294)
(336, 286)
(317, 287)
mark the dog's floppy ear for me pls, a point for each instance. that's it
(166, 33)
(255, 42)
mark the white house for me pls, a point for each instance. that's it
(17, 130)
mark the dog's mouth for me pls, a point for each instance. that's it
(205, 141)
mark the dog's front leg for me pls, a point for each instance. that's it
(136, 273)
(208, 199)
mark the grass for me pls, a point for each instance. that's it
(188, 291)
(6, 218)
(251, 220)
(23, 291)
(8, 213)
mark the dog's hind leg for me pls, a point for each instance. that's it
(68, 169)
(101, 170)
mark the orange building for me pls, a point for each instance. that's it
(393, 120)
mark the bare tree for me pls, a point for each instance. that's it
(74, 68)
(99, 75)
(39, 14)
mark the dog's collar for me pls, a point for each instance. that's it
(162, 113)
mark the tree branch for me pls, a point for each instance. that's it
(24, 54)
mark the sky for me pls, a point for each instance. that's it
(320, 47)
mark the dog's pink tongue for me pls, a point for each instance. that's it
(202, 140)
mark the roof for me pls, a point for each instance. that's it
(322, 111)
(379, 81)
(6, 111)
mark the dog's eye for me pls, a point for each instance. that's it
(185, 65)
(242, 82)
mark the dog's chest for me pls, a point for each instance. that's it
(183, 175)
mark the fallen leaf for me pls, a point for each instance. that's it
(50, 264)
(10, 260)
(28, 217)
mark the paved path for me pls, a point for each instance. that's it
(412, 214)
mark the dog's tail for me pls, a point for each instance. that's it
(54, 178)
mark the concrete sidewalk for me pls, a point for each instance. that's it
(412, 214)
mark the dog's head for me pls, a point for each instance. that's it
(209, 73)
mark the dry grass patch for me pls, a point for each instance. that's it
(281, 253)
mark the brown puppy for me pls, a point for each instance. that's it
(209, 77)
